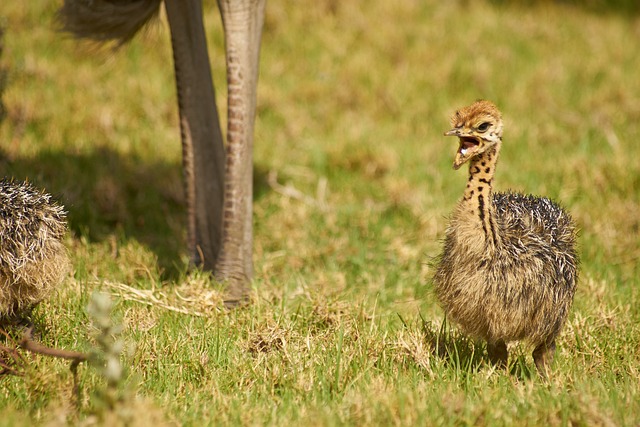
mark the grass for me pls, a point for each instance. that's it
(352, 105)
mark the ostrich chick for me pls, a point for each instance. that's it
(33, 259)
(508, 269)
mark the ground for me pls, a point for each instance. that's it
(353, 183)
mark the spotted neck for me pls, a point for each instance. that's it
(478, 193)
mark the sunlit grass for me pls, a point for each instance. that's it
(353, 101)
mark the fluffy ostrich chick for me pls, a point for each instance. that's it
(33, 259)
(508, 269)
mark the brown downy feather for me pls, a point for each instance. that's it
(33, 259)
(508, 269)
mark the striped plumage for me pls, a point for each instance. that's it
(33, 259)
(509, 266)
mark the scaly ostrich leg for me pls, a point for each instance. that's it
(218, 186)
(202, 146)
(242, 21)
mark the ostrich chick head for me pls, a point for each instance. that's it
(478, 127)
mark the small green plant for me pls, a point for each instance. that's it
(115, 403)
(105, 358)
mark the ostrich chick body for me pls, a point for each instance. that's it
(33, 259)
(508, 269)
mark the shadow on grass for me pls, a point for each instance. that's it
(107, 194)
(464, 355)
(456, 350)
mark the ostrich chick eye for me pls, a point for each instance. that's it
(484, 126)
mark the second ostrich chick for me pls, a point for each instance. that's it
(33, 259)
(508, 269)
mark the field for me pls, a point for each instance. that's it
(353, 186)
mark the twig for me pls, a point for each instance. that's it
(27, 343)
(292, 192)
(16, 359)
(10, 357)
(76, 384)
(148, 298)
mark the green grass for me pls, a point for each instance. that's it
(343, 325)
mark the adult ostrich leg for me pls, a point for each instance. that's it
(220, 225)
(218, 183)
(242, 20)
(202, 147)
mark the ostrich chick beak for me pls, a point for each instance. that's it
(468, 146)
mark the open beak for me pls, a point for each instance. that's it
(468, 147)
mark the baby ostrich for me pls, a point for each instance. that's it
(508, 268)
(33, 259)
